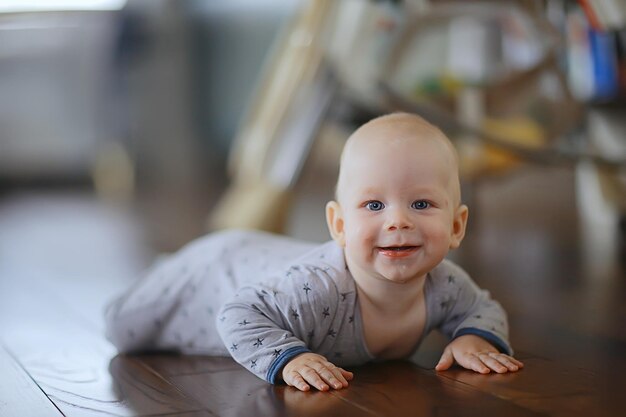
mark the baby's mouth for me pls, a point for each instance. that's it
(397, 251)
(398, 248)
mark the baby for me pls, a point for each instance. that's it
(297, 312)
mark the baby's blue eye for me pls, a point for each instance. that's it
(420, 205)
(375, 205)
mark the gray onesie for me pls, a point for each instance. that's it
(264, 299)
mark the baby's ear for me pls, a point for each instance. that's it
(334, 220)
(458, 226)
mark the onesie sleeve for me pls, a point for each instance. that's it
(266, 325)
(461, 308)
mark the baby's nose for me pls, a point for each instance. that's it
(398, 220)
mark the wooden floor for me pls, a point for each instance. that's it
(62, 258)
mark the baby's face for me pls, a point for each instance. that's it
(398, 198)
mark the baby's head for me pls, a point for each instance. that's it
(397, 210)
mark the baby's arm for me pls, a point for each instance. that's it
(257, 334)
(476, 323)
(267, 328)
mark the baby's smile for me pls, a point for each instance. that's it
(397, 251)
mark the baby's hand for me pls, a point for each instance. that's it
(317, 371)
(473, 352)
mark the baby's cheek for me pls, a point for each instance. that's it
(356, 248)
(438, 235)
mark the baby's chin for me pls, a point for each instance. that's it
(400, 279)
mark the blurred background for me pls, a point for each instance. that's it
(130, 127)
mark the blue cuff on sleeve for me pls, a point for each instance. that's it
(286, 356)
(488, 336)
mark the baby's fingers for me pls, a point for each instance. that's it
(473, 362)
(295, 380)
(311, 376)
(349, 376)
(331, 374)
(509, 362)
(490, 360)
(499, 362)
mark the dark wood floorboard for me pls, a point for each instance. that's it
(225, 388)
(174, 365)
(239, 393)
(395, 388)
(544, 386)
(401, 388)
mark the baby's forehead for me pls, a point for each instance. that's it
(403, 140)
